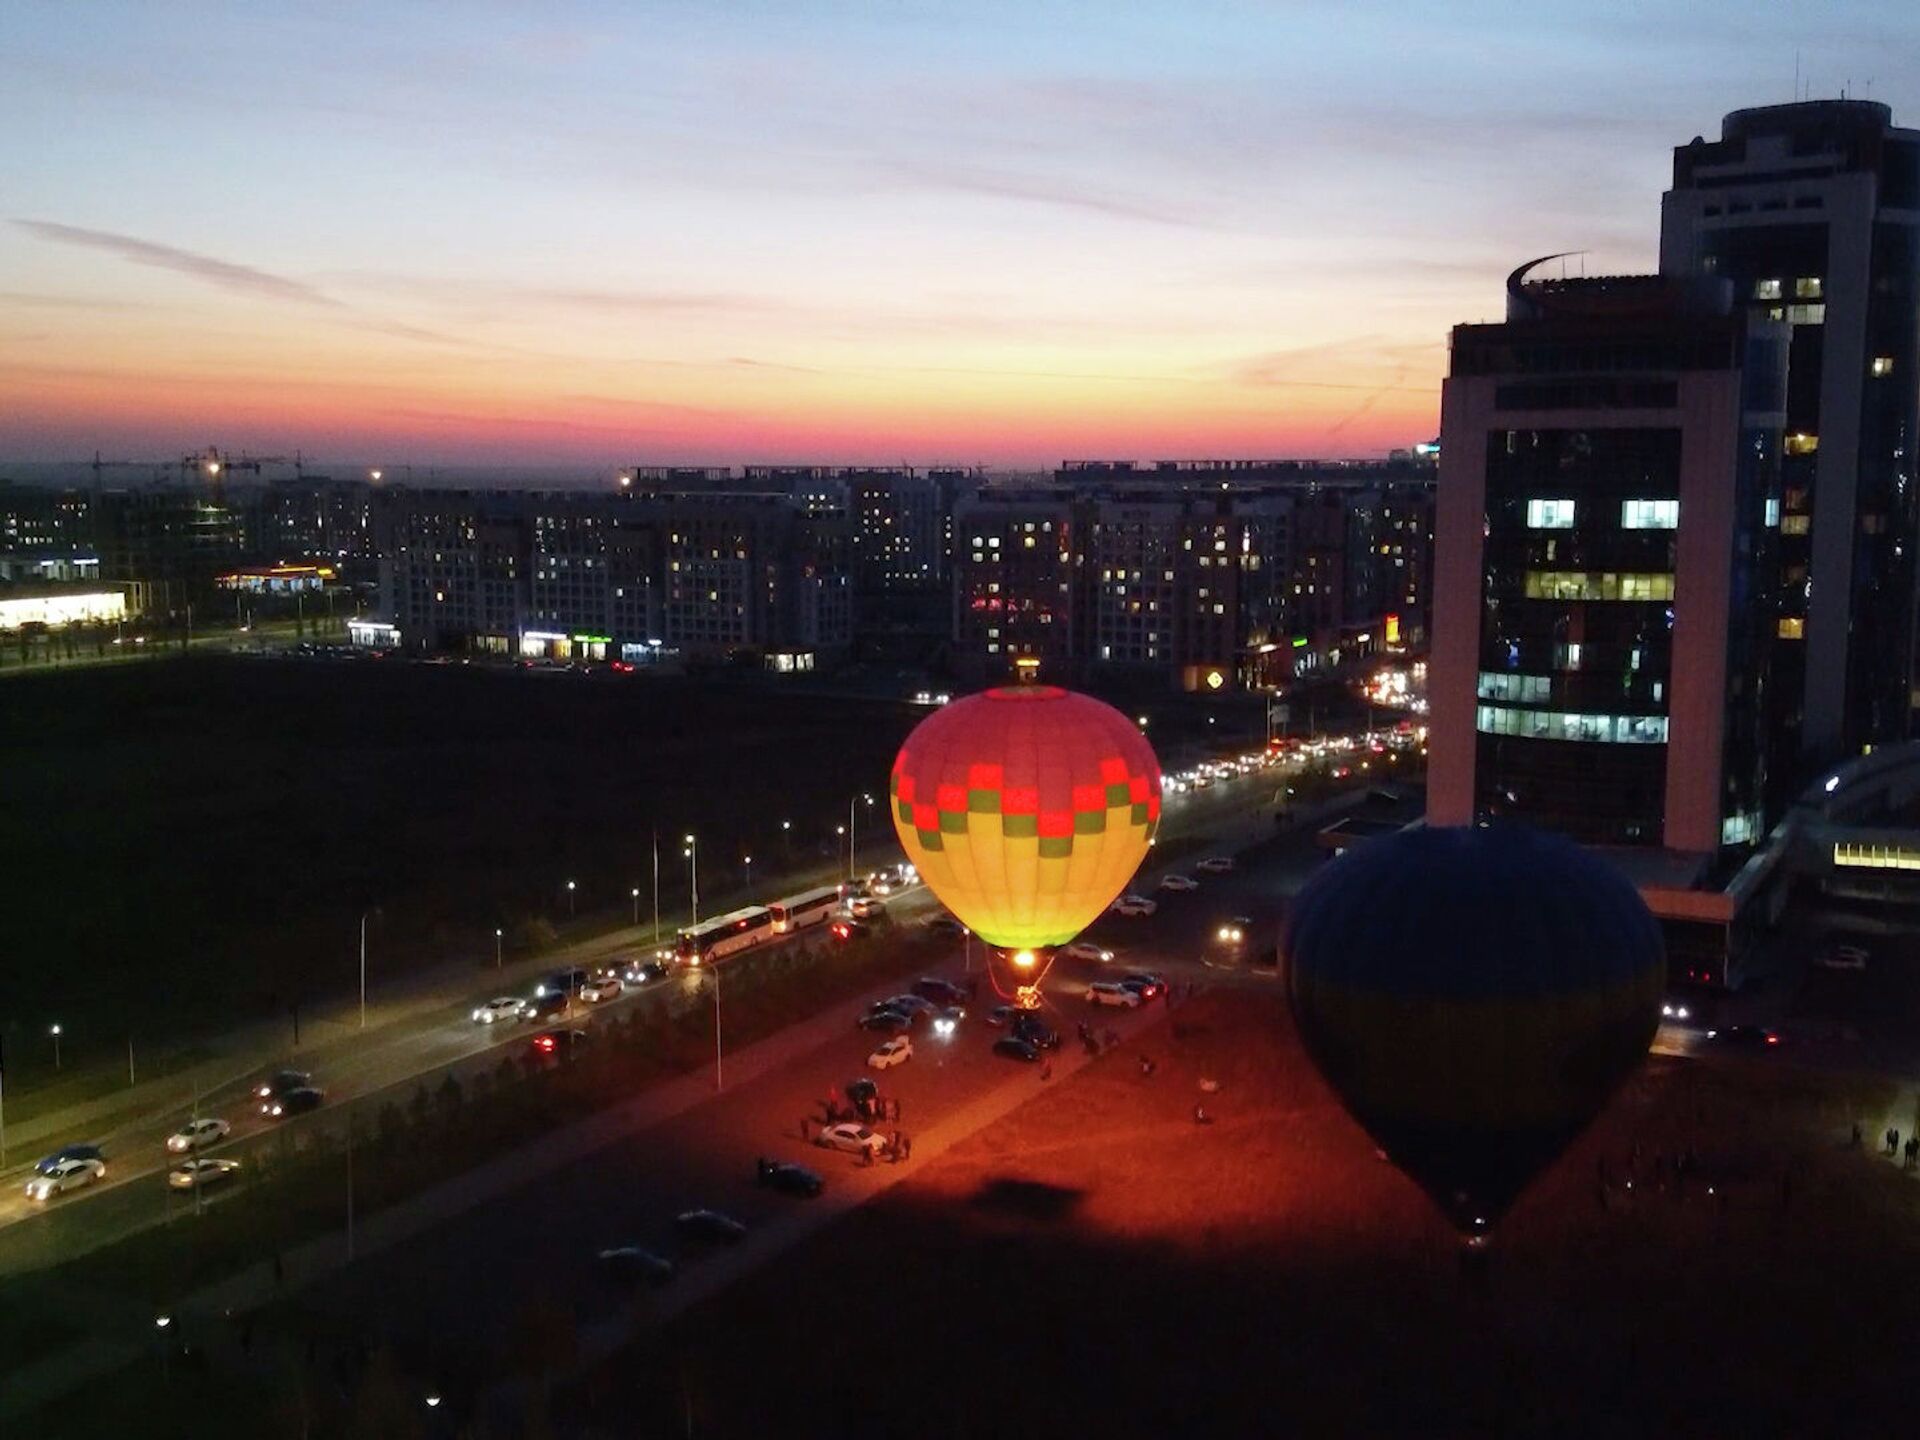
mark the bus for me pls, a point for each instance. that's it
(810, 907)
(724, 935)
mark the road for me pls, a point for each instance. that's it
(428, 1038)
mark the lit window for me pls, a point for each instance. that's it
(1795, 524)
(1766, 289)
(1597, 585)
(1801, 443)
(1565, 725)
(1550, 514)
(1567, 657)
(1649, 514)
(1807, 287)
(1806, 314)
(1773, 511)
(1881, 367)
(1792, 627)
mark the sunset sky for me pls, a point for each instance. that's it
(866, 232)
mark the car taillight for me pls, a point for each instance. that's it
(1773, 1039)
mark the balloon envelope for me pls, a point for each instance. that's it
(1026, 810)
(1474, 996)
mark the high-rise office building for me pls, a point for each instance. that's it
(1608, 492)
(1812, 213)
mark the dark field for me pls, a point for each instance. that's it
(1097, 1264)
(193, 843)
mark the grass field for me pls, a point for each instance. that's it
(193, 843)
(1099, 1264)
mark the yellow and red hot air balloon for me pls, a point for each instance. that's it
(1026, 810)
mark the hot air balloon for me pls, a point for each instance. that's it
(1474, 997)
(1026, 810)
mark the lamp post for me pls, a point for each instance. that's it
(570, 890)
(719, 1057)
(499, 936)
(692, 852)
(636, 907)
(747, 860)
(656, 888)
(786, 838)
(841, 830)
(55, 1032)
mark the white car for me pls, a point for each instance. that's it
(1105, 992)
(851, 1137)
(197, 1173)
(1134, 905)
(1180, 883)
(1087, 950)
(1216, 865)
(67, 1175)
(196, 1133)
(896, 1051)
(501, 1007)
(606, 988)
(865, 907)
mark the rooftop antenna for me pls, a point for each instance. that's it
(1796, 74)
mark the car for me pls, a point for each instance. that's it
(643, 972)
(196, 1133)
(1744, 1037)
(939, 992)
(866, 907)
(787, 1178)
(917, 1006)
(551, 1006)
(711, 1226)
(1676, 1011)
(896, 1051)
(849, 928)
(49, 1163)
(1087, 950)
(850, 1137)
(946, 925)
(280, 1082)
(1108, 992)
(563, 982)
(296, 1101)
(1842, 957)
(1234, 931)
(947, 1021)
(884, 1018)
(501, 1007)
(1179, 884)
(1215, 865)
(1012, 1047)
(560, 1043)
(631, 1263)
(1036, 1032)
(198, 1174)
(594, 991)
(1004, 1015)
(1145, 983)
(1134, 905)
(65, 1176)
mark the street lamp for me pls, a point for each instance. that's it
(570, 889)
(636, 907)
(692, 852)
(748, 862)
(55, 1032)
(499, 936)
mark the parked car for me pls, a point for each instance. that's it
(917, 1006)
(787, 1178)
(884, 1019)
(896, 1051)
(1012, 1047)
(64, 1176)
(594, 991)
(1036, 1032)
(1145, 983)
(197, 1133)
(280, 1082)
(49, 1163)
(1087, 950)
(297, 1101)
(711, 1226)
(1179, 883)
(1003, 1015)
(1215, 865)
(850, 1138)
(501, 1007)
(1134, 905)
(945, 925)
(1109, 992)
(939, 992)
(198, 1174)
(630, 1263)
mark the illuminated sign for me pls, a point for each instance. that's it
(1393, 629)
(592, 639)
(1299, 642)
(1215, 679)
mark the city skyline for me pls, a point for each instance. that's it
(818, 233)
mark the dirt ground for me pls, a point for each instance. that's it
(1098, 1263)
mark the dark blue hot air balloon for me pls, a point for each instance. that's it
(1475, 997)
